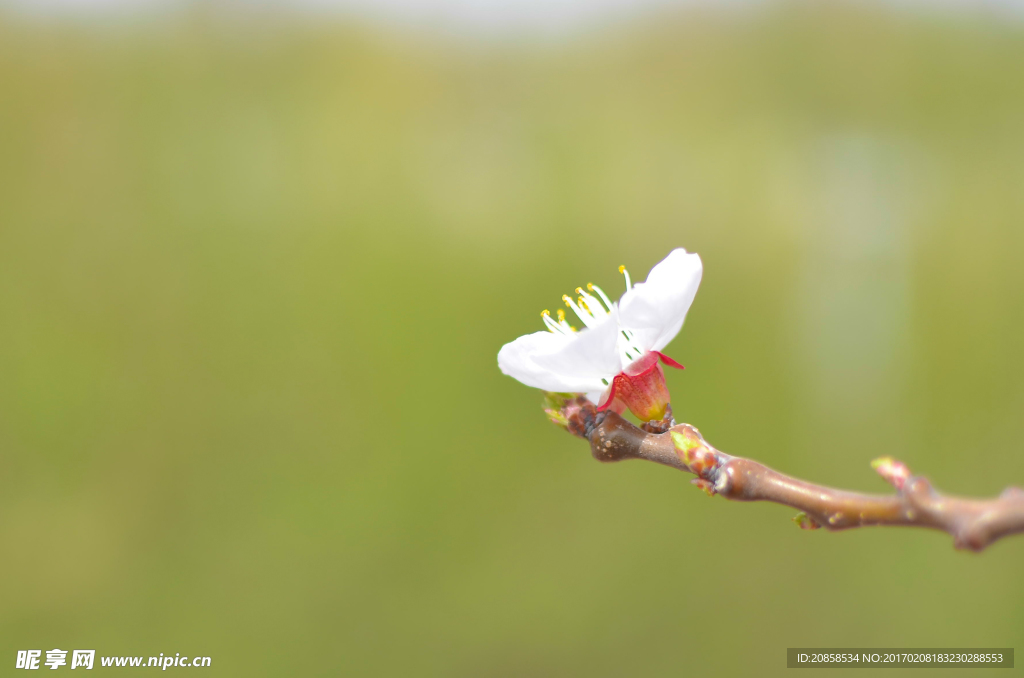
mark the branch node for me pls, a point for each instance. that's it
(699, 457)
(1012, 493)
(580, 416)
(894, 472)
(805, 522)
(706, 485)
(918, 489)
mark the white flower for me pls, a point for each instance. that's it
(646, 319)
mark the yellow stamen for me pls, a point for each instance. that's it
(561, 315)
(545, 312)
(625, 274)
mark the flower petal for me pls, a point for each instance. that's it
(516, 360)
(654, 310)
(557, 362)
(591, 356)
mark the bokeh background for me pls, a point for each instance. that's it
(256, 264)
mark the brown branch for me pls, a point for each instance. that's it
(973, 523)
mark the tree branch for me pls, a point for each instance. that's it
(973, 523)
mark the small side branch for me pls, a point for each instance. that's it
(973, 523)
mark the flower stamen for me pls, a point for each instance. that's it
(604, 297)
(585, 316)
(561, 322)
(545, 315)
(591, 309)
(625, 274)
(560, 327)
(591, 303)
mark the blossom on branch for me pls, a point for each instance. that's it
(615, 358)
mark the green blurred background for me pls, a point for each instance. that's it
(255, 270)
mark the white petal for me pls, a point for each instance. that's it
(654, 310)
(592, 356)
(516, 359)
(556, 362)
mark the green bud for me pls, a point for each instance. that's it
(555, 407)
(805, 522)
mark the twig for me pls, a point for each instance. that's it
(973, 523)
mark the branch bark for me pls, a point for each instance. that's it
(973, 523)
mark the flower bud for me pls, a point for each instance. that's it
(693, 451)
(895, 472)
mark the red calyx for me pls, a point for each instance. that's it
(641, 387)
